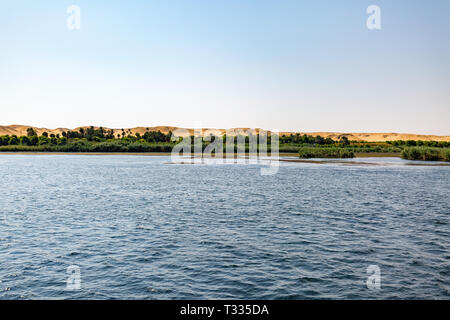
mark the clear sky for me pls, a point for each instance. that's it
(278, 64)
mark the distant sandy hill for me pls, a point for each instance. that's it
(21, 130)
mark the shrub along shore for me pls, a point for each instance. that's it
(426, 154)
(330, 152)
(306, 146)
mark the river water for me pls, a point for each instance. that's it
(138, 227)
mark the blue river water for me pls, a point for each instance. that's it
(138, 227)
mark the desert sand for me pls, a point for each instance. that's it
(21, 130)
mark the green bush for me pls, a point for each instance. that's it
(426, 153)
(447, 155)
(312, 152)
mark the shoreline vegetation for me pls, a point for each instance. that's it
(99, 140)
(426, 154)
(333, 152)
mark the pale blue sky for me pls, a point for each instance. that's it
(287, 65)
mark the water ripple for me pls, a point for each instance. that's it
(141, 229)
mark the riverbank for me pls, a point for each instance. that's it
(36, 153)
(379, 159)
(156, 143)
(281, 154)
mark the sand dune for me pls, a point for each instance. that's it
(21, 130)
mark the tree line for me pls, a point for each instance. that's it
(305, 139)
(93, 139)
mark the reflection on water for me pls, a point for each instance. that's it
(139, 228)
